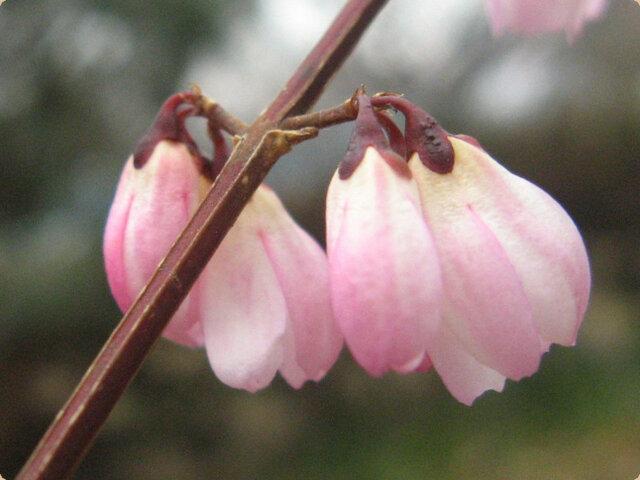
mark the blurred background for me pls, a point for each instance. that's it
(80, 81)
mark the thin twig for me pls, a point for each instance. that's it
(77, 424)
(216, 114)
(324, 118)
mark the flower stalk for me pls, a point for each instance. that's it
(76, 425)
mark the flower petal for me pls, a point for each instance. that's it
(385, 277)
(290, 370)
(485, 304)
(152, 205)
(462, 374)
(539, 238)
(243, 311)
(303, 273)
(114, 237)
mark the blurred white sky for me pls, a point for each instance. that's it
(416, 38)
(265, 46)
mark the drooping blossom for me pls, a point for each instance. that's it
(159, 189)
(262, 303)
(385, 275)
(538, 16)
(502, 265)
(267, 306)
(514, 268)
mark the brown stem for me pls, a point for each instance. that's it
(217, 115)
(324, 118)
(77, 424)
(305, 86)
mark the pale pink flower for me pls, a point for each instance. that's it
(267, 305)
(262, 303)
(385, 277)
(538, 16)
(515, 273)
(477, 275)
(152, 205)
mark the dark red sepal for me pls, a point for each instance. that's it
(169, 124)
(369, 133)
(423, 135)
(430, 141)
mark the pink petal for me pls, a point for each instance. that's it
(114, 235)
(425, 365)
(485, 304)
(243, 310)
(539, 238)
(385, 278)
(290, 370)
(151, 206)
(462, 374)
(302, 270)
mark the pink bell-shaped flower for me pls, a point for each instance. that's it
(262, 303)
(538, 16)
(267, 306)
(385, 276)
(477, 278)
(159, 190)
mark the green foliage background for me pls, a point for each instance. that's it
(67, 123)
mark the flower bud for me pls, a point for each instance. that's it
(456, 263)
(159, 189)
(267, 306)
(385, 277)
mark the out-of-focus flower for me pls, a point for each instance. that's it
(262, 303)
(478, 275)
(538, 16)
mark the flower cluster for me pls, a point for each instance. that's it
(436, 256)
(262, 303)
(439, 256)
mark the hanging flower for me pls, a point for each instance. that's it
(497, 266)
(515, 272)
(538, 16)
(267, 306)
(385, 276)
(159, 189)
(262, 303)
